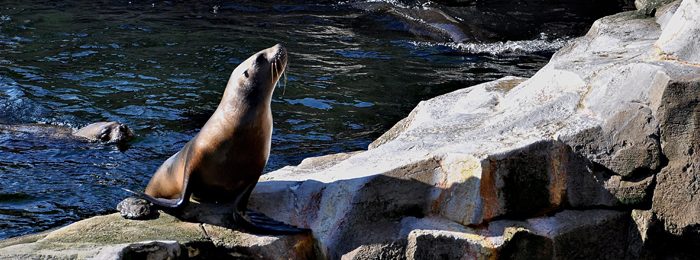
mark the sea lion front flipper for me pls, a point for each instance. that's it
(258, 223)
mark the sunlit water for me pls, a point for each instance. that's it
(161, 67)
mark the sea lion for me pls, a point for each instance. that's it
(104, 132)
(224, 161)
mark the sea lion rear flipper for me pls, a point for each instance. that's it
(258, 223)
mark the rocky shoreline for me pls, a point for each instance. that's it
(594, 157)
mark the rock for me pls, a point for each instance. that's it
(388, 250)
(679, 40)
(643, 219)
(649, 6)
(435, 238)
(626, 144)
(589, 234)
(112, 237)
(144, 250)
(491, 95)
(393, 132)
(515, 187)
(301, 246)
(595, 186)
(656, 243)
(586, 131)
(676, 200)
(665, 12)
(436, 244)
(136, 208)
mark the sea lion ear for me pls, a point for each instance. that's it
(245, 73)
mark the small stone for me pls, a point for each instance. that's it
(136, 208)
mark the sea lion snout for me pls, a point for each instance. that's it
(280, 53)
(278, 58)
(117, 133)
(124, 134)
(124, 130)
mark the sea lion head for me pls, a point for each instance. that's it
(106, 132)
(256, 77)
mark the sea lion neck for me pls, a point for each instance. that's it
(251, 98)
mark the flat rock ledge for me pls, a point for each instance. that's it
(167, 237)
(597, 156)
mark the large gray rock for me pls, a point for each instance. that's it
(590, 234)
(677, 195)
(585, 131)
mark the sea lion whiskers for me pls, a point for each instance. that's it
(275, 70)
(284, 86)
(273, 67)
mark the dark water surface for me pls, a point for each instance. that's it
(161, 67)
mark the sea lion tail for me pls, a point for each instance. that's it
(258, 223)
(170, 203)
(161, 202)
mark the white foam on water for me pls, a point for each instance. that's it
(543, 44)
(396, 3)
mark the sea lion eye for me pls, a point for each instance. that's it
(245, 73)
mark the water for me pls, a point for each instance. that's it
(161, 67)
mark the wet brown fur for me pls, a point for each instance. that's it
(223, 162)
